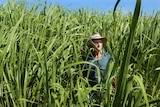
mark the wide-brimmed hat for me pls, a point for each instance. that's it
(97, 36)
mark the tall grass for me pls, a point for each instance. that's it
(43, 50)
(122, 74)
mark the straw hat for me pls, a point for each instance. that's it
(97, 36)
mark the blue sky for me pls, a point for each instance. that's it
(148, 6)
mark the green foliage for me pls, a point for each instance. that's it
(43, 52)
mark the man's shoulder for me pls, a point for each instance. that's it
(106, 53)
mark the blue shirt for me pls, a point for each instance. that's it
(101, 63)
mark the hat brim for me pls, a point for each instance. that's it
(104, 40)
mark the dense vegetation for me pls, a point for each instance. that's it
(43, 50)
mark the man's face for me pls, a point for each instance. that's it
(98, 44)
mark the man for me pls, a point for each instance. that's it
(99, 57)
